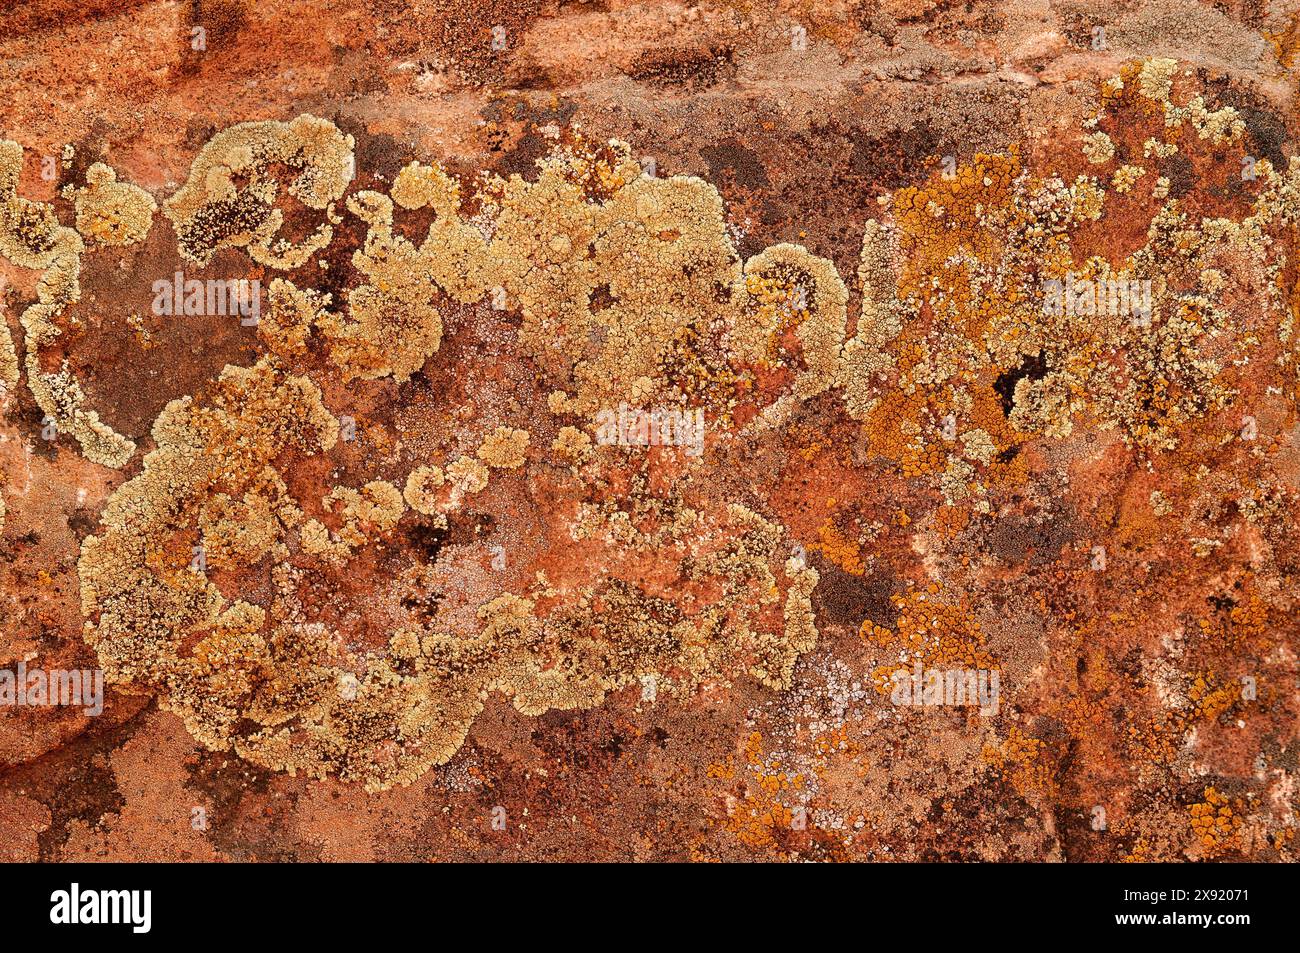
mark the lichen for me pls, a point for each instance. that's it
(31, 237)
(504, 448)
(112, 212)
(263, 678)
(421, 489)
(228, 200)
(9, 370)
(625, 290)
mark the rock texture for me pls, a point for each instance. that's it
(602, 430)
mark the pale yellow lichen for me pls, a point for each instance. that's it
(421, 489)
(1098, 148)
(112, 212)
(467, 475)
(228, 200)
(31, 237)
(365, 515)
(294, 694)
(1155, 78)
(1125, 177)
(626, 288)
(791, 288)
(1220, 126)
(418, 185)
(865, 356)
(655, 250)
(504, 448)
(61, 397)
(290, 317)
(572, 444)
(9, 370)
(1158, 149)
(393, 324)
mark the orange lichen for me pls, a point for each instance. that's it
(935, 633)
(1022, 760)
(1215, 824)
(839, 550)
